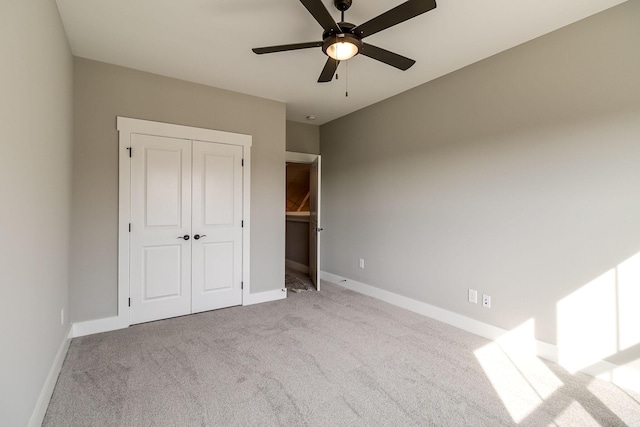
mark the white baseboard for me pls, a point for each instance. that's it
(296, 266)
(97, 326)
(40, 410)
(601, 369)
(459, 321)
(267, 296)
(107, 324)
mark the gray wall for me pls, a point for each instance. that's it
(518, 176)
(103, 92)
(303, 137)
(35, 188)
(297, 245)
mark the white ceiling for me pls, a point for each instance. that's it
(210, 41)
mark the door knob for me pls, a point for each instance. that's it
(198, 236)
(185, 237)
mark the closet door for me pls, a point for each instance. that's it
(160, 272)
(314, 223)
(217, 226)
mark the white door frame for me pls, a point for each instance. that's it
(293, 157)
(127, 126)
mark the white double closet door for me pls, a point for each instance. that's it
(186, 227)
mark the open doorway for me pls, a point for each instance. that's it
(302, 253)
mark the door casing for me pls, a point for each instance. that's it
(294, 157)
(128, 126)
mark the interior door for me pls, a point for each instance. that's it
(160, 274)
(314, 223)
(217, 226)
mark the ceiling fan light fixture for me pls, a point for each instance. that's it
(342, 51)
(342, 46)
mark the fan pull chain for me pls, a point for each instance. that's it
(346, 80)
(337, 76)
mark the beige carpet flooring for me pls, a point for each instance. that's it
(329, 358)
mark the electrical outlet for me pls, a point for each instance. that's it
(361, 263)
(486, 301)
(473, 296)
(62, 317)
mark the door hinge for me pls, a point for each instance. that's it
(241, 285)
(130, 150)
(129, 227)
(129, 302)
(243, 162)
(242, 224)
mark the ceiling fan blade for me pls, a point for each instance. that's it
(398, 14)
(285, 47)
(328, 71)
(321, 14)
(401, 62)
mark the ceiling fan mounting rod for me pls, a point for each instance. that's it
(342, 5)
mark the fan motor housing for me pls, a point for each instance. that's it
(345, 28)
(342, 5)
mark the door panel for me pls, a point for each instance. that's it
(161, 272)
(160, 283)
(163, 187)
(218, 189)
(217, 215)
(218, 266)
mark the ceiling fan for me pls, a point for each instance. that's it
(343, 40)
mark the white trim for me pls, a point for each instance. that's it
(601, 369)
(80, 329)
(126, 126)
(124, 217)
(596, 369)
(40, 410)
(547, 351)
(296, 266)
(623, 376)
(266, 296)
(291, 156)
(246, 230)
(454, 319)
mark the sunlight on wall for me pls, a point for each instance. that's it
(521, 380)
(629, 302)
(587, 323)
(602, 319)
